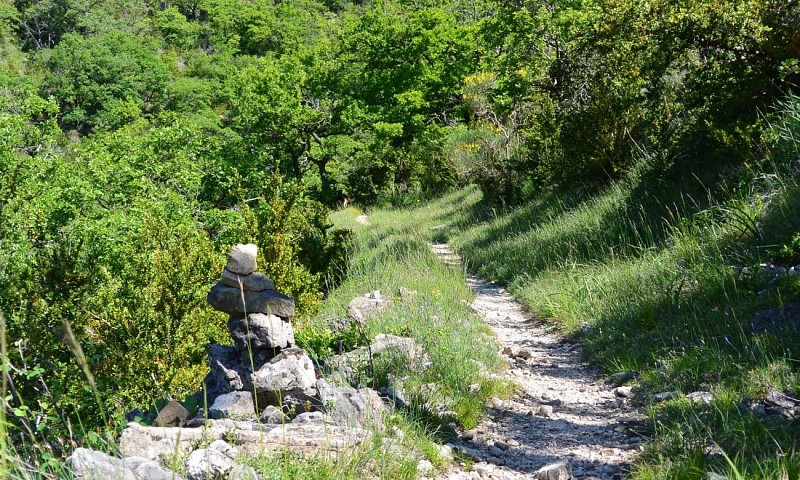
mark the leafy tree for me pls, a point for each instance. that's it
(107, 80)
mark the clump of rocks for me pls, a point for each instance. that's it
(264, 368)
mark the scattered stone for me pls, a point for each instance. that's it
(623, 392)
(258, 331)
(233, 405)
(524, 354)
(255, 282)
(366, 306)
(469, 435)
(701, 397)
(778, 403)
(664, 396)
(495, 460)
(172, 415)
(777, 320)
(501, 445)
(425, 468)
(466, 451)
(348, 406)
(715, 476)
(242, 259)
(446, 451)
(213, 462)
(546, 411)
(560, 470)
(621, 378)
(273, 415)
(496, 451)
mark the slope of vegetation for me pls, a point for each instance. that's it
(692, 287)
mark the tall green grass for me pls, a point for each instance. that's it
(394, 256)
(648, 276)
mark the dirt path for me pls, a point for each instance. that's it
(561, 410)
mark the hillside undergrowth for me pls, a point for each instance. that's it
(681, 282)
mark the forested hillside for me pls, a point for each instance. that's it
(140, 140)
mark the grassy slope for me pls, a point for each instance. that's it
(647, 277)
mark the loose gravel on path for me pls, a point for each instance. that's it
(561, 410)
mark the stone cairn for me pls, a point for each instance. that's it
(264, 367)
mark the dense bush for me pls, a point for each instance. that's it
(112, 246)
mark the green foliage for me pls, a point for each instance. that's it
(105, 81)
(667, 282)
(789, 254)
(112, 245)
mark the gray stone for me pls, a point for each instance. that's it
(88, 464)
(701, 397)
(495, 451)
(310, 417)
(664, 396)
(242, 472)
(778, 403)
(546, 411)
(560, 470)
(469, 452)
(351, 364)
(172, 415)
(623, 392)
(347, 406)
(229, 300)
(214, 462)
(233, 405)
(255, 282)
(621, 378)
(425, 468)
(149, 470)
(227, 372)
(242, 259)
(273, 415)
(367, 306)
(287, 378)
(260, 332)
(715, 476)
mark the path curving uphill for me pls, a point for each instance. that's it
(560, 412)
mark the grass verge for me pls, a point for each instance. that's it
(687, 282)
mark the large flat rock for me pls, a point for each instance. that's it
(229, 300)
(255, 282)
(163, 443)
(85, 464)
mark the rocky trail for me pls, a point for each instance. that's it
(563, 421)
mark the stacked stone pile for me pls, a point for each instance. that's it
(264, 359)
